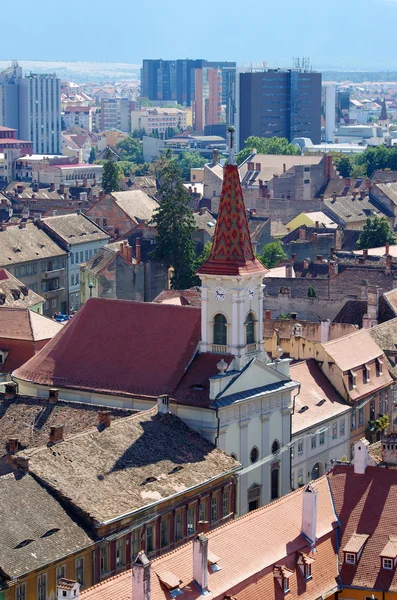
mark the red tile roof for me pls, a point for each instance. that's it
(366, 504)
(232, 252)
(248, 549)
(121, 347)
(24, 324)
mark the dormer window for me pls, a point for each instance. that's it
(285, 585)
(352, 379)
(282, 574)
(389, 554)
(350, 558)
(387, 563)
(354, 548)
(367, 374)
(304, 563)
(379, 367)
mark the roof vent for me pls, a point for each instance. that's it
(149, 480)
(303, 409)
(321, 402)
(50, 532)
(175, 469)
(23, 543)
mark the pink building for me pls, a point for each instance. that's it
(208, 98)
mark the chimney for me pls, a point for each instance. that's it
(53, 395)
(306, 263)
(203, 527)
(36, 187)
(215, 156)
(203, 210)
(52, 187)
(104, 418)
(200, 562)
(309, 513)
(368, 184)
(354, 194)
(338, 239)
(10, 391)
(284, 168)
(319, 258)
(366, 321)
(372, 302)
(163, 404)
(325, 327)
(141, 577)
(56, 434)
(317, 224)
(347, 181)
(360, 456)
(68, 589)
(85, 183)
(388, 264)
(365, 253)
(362, 194)
(302, 232)
(387, 248)
(288, 270)
(13, 445)
(21, 463)
(294, 316)
(268, 315)
(332, 269)
(138, 250)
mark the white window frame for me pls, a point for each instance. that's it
(387, 560)
(308, 571)
(285, 585)
(120, 552)
(350, 558)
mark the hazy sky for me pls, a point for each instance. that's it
(336, 33)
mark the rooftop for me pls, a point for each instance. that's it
(25, 245)
(385, 335)
(136, 204)
(353, 350)
(15, 294)
(25, 324)
(270, 165)
(137, 461)
(349, 209)
(75, 229)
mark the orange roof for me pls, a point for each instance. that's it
(24, 324)
(353, 350)
(232, 252)
(356, 542)
(248, 549)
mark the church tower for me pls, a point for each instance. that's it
(232, 290)
(383, 119)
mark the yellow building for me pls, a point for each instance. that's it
(311, 219)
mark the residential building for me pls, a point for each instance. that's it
(78, 116)
(215, 369)
(352, 211)
(158, 120)
(320, 425)
(12, 149)
(15, 294)
(207, 98)
(34, 258)
(319, 239)
(81, 238)
(174, 80)
(22, 334)
(140, 482)
(40, 112)
(329, 110)
(277, 102)
(183, 142)
(115, 114)
(286, 566)
(56, 174)
(9, 96)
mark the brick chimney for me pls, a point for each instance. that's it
(13, 445)
(200, 562)
(52, 187)
(366, 321)
(268, 315)
(332, 269)
(319, 258)
(104, 418)
(138, 250)
(56, 434)
(141, 577)
(36, 187)
(215, 156)
(368, 184)
(10, 390)
(362, 194)
(360, 456)
(163, 404)
(347, 181)
(203, 527)
(387, 248)
(53, 395)
(309, 513)
(388, 264)
(21, 463)
(288, 270)
(338, 239)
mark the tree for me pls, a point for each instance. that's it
(92, 156)
(200, 260)
(190, 160)
(175, 224)
(380, 424)
(110, 177)
(343, 163)
(376, 233)
(274, 145)
(272, 254)
(311, 292)
(131, 150)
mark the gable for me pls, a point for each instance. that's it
(255, 375)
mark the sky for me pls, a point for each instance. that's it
(338, 34)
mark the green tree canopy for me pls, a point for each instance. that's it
(131, 150)
(110, 177)
(343, 163)
(274, 145)
(175, 225)
(272, 254)
(190, 160)
(376, 233)
(92, 156)
(200, 260)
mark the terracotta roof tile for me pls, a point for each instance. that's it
(356, 542)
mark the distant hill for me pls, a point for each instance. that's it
(360, 76)
(81, 72)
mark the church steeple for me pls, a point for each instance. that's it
(383, 119)
(232, 252)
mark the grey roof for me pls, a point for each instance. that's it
(137, 461)
(385, 335)
(136, 204)
(347, 209)
(75, 229)
(35, 530)
(270, 388)
(24, 245)
(15, 293)
(390, 190)
(205, 222)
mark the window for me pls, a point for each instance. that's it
(86, 255)
(308, 571)
(313, 441)
(214, 509)
(149, 538)
(135, 543)
(372, 410)
(381, 396)
(300, 447)
(164, 532)
(275, 447)
(203, 510)
(350, 558)
(386, 402)
(77, 278)
(334, 431)
(191, 520)
(42, 586)
(61, 572)
(387, 563)
(104, 559)
(54, 303)
(254, 454)
(79, 570)
(20, 591)
(300, 478)
(178, 526)
(72, 258)
(322, 438)
(81, 256)
(353, 418)
(220, 337)
(285, 585)
(120, 552)
(226, 509)
(360, 417)
(342, 427)
(250, 329)
(72, 279)
(77, 258)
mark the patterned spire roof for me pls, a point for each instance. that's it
(383, 112)
(232, 252)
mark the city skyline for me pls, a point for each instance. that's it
(326, 36)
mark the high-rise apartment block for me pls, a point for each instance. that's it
(278, 102)
(208, 98)
(40, 112)
(329, 110)
(9, 96)
(174, 80)
(115, 114)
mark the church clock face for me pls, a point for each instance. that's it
(250, 292)
(220, 294)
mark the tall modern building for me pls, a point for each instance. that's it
(10, 79)
(40, 112)
(174, 80)
(208, 98)
(115, 114)
(329, 110)
(277, 102)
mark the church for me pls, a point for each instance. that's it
(208, 363)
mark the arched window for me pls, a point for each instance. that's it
(250, 329)
(220, 330)
(275, 447)
(254, 454)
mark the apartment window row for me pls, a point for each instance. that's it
(53, 265)
(22, 270)
(42, 581)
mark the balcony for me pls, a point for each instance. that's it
(53, 293)
(251, 348)
(218, 349)
(53, 273)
